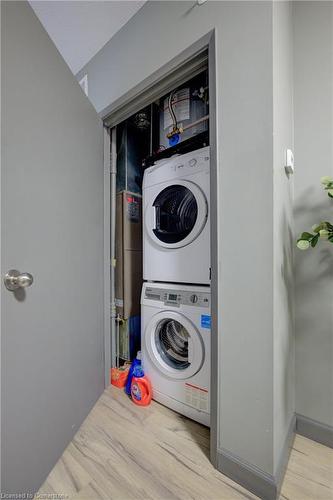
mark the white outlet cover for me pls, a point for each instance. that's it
(289, 165)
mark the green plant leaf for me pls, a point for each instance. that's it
(324, 233)
(306, 236)
(314, 240)
(326, 180)
(303, 244)
(320, 227)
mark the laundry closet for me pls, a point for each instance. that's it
(103, 291)
(160, 241)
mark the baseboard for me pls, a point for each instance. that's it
(285, 454)
(314, 430)
(253, 479)
(265, 486)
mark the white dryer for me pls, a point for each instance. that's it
(176, 228)
(176, 346)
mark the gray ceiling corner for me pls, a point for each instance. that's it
(79, 29)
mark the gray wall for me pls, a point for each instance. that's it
(314, 158)
(244, 56)
(284, 351)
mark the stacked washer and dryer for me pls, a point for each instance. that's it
(175, 301)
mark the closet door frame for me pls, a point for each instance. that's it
(187, 63)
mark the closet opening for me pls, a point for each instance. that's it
(173, 125)
(160, 252)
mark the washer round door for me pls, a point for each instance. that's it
(177, 215)
(174, 345)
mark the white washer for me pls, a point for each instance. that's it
(176, 234)
(176, 346)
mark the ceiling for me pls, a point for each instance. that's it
(79, 29)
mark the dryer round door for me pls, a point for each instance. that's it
(174, 345)
(177, 214)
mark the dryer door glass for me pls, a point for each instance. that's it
(176, 212)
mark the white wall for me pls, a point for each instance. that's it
(284, 350)
(244, 57)
(314, 158)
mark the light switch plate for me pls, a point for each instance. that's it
(289, 165)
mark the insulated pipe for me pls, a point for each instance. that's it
(113, 180)
(193, 124)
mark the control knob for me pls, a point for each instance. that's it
(194, 298)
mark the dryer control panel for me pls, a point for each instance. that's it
(178, 297)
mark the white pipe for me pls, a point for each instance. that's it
(113, 179)
(193, 124)
(118, 340)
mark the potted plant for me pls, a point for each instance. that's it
(323, 230)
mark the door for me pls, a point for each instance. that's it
(52, 228)
(174, 345)
(176, 214)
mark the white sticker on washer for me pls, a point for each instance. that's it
(197, 397)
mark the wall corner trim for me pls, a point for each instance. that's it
(312, 429)
(265, 486)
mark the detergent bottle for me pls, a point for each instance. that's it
(141, 390)
(135, 362)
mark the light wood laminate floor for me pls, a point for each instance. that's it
(125, 452)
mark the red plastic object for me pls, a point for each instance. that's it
(118, 376)
(141, 391)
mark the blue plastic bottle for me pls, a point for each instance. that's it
(135, 362)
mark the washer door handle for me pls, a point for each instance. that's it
(190, 349)
(154, 218)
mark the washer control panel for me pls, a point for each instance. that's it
(178, 297)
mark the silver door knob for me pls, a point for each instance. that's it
(14, 280)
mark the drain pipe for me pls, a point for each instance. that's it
(113, 179)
